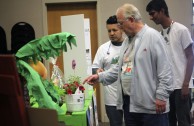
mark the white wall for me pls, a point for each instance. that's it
(181, 11)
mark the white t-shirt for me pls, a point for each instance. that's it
(179, 39)
(106, 57)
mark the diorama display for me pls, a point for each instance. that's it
(43, 93)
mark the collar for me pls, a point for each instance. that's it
(168, 29)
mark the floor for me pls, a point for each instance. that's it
(104, 124)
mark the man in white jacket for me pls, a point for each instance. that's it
(143, 73)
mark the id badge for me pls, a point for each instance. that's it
(127, 68)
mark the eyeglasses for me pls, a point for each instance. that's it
(120, 23)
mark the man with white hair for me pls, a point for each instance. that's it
(143, 72)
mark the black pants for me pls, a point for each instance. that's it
(180, 109)
(115, 116)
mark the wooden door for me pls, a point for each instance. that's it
(54, 13)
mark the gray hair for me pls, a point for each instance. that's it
(130, 10)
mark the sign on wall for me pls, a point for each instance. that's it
(80, 27)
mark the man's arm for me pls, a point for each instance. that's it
(164, 73)
(91, 80)
(189, 70)
(108, 76)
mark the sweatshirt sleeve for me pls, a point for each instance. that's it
(164, 71)
(109, 76)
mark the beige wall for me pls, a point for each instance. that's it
(13, 11)
(31, 11)
(34, 12)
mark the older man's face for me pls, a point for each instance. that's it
(124, 23)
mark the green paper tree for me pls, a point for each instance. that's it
(43, 91)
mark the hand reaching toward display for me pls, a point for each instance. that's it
(91, 80)
(99, 70)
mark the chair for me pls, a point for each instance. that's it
(21, 34)
(3, 42)
(12, 107)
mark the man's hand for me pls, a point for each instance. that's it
(185, 92)
(91, 80)
(160, 106)
(99, 70)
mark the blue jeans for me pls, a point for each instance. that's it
(115, 116)
(143, 119)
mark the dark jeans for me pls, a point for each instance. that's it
(115, 116)
(143, 119)
(179, 109)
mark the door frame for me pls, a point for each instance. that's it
(45, 24)
(45, 32)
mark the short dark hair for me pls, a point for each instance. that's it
(112, 20)
(158, 5)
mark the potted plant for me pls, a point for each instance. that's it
(74, 92)
(73, 84)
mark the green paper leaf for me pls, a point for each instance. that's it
(47, 46)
